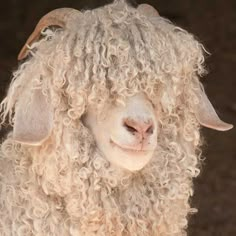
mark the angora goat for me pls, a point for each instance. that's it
(106, 110)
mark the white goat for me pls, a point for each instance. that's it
(105, 114)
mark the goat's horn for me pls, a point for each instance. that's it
(148, 10)
(57, 17)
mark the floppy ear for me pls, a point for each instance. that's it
(207, 116)
(33, 118)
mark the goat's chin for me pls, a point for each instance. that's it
(130, 160)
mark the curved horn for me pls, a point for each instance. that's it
(206, 115)
(57, 17)
(148, 10)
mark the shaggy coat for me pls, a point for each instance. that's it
(65, 186)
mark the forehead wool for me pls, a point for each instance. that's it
(111, 52)
(120, 47)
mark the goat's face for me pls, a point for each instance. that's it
(127, 136)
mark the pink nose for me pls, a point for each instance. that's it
(137, 127)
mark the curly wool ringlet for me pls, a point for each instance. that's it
(65, 186)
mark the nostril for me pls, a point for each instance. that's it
(141, 127)
(150, 129)
(129, 128)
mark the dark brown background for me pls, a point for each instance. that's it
(214, 24)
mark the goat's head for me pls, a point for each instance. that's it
(128, 135)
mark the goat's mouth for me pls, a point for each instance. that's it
(130, 151)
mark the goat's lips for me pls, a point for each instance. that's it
(131, 150)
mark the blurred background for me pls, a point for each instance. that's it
(213, 22)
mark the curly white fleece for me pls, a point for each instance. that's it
(65, 186)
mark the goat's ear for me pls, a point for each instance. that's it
(33, 118)
(207, 116)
